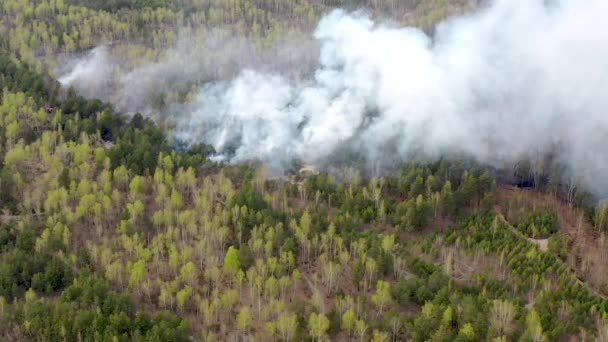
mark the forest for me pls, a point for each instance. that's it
(112, 230)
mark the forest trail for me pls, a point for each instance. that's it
(543, 244)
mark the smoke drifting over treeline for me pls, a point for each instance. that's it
(197, 58)
(515, 78)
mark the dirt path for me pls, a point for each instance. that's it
(543, 244)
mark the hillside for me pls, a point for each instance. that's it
(183, 248)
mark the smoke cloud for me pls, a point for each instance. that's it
(515, 78)
(146, 83)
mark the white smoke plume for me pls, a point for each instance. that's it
(516, 77)
(89, 74)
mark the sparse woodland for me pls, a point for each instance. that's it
(109, 232)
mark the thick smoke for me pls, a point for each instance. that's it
(517, 77)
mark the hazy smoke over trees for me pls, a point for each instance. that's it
(517, 77)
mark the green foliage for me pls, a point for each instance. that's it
(382, 295)
(23, 267)
(539, 223)
(18, 77)
(246, 257)
(318, 324)
(232, 262)
(243, 319)
(558, 244)
(88, 309)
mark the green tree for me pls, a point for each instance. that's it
(287, 325)
(382, 295)
(318, 324)
(380, 336)
(534, 330)
(358, 273)
(467, 332)
(232, 264)
(183, 297)
(361, 328)
(138, 273)
(243, 319)
(349, 321)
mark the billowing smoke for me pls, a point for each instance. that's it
(517, 77)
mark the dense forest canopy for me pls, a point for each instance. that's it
(113, 230)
